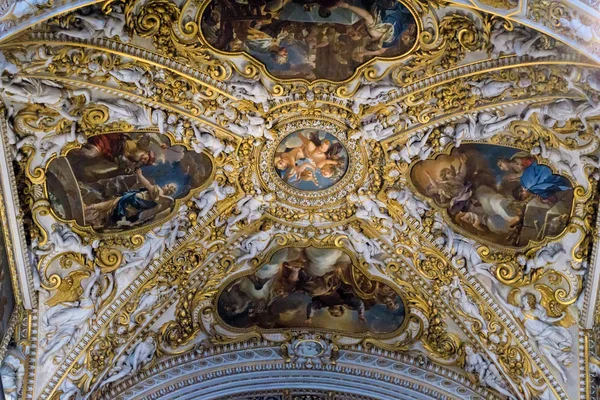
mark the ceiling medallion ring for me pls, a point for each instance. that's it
(577, 191)
(342, 17)
(357, 273)
(344, 184)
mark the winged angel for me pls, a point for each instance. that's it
(552, 341)
(63, 321)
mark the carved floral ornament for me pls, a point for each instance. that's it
(437, 201)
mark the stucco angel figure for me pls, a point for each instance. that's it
(553, 341)
(137, 115)
(368, 248)
(368, 207)
(489, 88)
(45, 92)
(205, 140)
(19, 8)
(412, 205)
(588, 109)
(373, 131)
(462, 249)
(370, 94)
(7, 66)
(52, 145)
(206, 200)
(482, 127)
(154, 245)
(487, 372)
(558, 112)
(64, 240)
(544, 256)
(250, 125)
(416, 146)
(459, 132)
(149, 300)
(518, 40)
(64, 321)
(133, 361)
(135, 76)
(46, 144)
(12, 372)
(69, 390)
(250, 209)
(456, 290)
(97, 24)
(252, 90)
(257, 243)
(560, 160)
(587, 33)
(489, 123)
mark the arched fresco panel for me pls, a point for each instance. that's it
(311, 288)
(120, 181)
(497, 193)
(309, 39)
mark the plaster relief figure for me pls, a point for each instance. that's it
(519, 41)
(45, 92)
(97, 25)
(206, 200)
(554, 342)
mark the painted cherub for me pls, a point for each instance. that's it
(326, 156)
(293, 165)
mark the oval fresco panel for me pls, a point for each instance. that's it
(120, 181)
(497, 193)
(326, 39)
(311, 288)
(311, 160)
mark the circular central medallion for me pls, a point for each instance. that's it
(311, 160)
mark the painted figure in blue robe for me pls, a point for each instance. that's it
(388, 23)
(540, 181)
(133, 205)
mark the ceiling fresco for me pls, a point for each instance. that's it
(498, 193)
(311, 288)
(311, 40)
(118, 181)
(254, 199)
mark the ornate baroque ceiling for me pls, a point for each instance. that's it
(298, 199)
